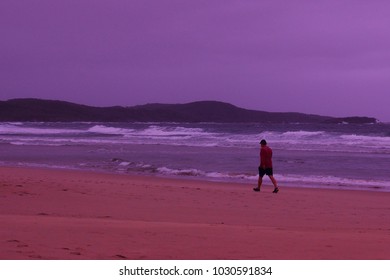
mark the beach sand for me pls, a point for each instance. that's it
(62, 214)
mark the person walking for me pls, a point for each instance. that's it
(265, 167)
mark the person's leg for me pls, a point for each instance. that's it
(274, 183)
(259, 182)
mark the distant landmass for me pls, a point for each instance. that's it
(39, 110)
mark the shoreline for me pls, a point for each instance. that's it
(293, 184)
(69, 214)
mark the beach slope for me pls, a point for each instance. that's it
(63, 214)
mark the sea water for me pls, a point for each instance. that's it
(344, 156)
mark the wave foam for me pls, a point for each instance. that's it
(17, 129)
(102, 129)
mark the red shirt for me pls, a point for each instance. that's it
(266, 157)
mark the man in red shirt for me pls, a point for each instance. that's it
(265, 167)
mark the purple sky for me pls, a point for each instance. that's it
(323, 57)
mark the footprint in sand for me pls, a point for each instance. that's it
(13, 241)
(19, 244)
(121, 256)
(35, 256)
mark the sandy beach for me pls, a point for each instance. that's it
(65, 214)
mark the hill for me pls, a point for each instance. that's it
(202, 111)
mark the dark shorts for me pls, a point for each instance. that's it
(267, 171)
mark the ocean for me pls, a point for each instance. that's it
(342, 156)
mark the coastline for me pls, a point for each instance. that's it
(69, 214)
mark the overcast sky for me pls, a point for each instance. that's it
(323, 57)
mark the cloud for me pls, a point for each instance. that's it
(165, 51)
